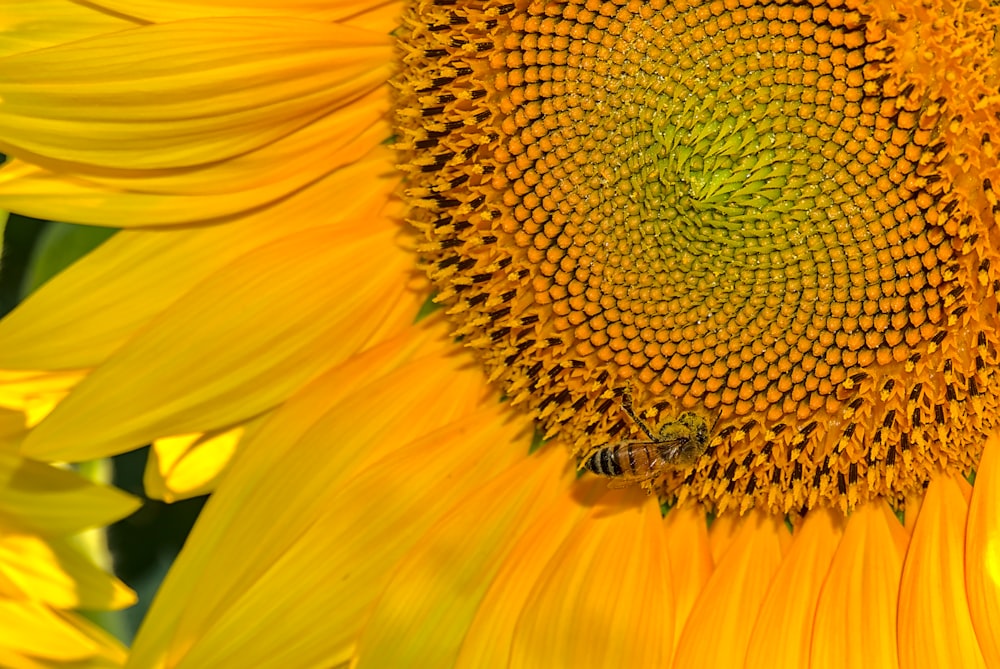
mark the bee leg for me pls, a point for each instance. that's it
(630, 411)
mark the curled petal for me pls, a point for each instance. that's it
(189, 465)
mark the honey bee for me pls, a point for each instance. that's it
(680, 443)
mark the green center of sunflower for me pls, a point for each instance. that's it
(776, 219)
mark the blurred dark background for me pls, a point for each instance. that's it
(144, 545)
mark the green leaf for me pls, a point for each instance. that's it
(58, 247)
(429, 307)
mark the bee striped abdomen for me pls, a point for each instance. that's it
(604, 462)
(628, 459)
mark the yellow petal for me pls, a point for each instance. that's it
(691, 561)
(982, 553)
(36, 497)
(935, 628)
(237, 345)
(913, 503)
(723, 531)
(340, 566)
(379, 16)
(32, 629)
(186, 466)
(26, 25)
(52, 572)
(855, 623)
(35, 393)
(172, 10)
(489, 639)
(604, 599)
(783, 628)
(12, 431)
(428, 604)
(718, 629)
(185, 93)
(85, 313)
(56, 190)
(288, 510)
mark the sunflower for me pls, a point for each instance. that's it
(736, 256)
(45, 577)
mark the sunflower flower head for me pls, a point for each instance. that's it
(779, 216)
(736, 252)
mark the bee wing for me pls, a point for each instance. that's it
(657, 463)
(664, 451)
(672, 450)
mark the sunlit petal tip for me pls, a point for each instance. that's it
(186, 466)
(53, 572)
(982, 553)
(43, 573)
(33, 636)
(35, 393)
(51, 501)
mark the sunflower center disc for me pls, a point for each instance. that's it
(777, 215)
